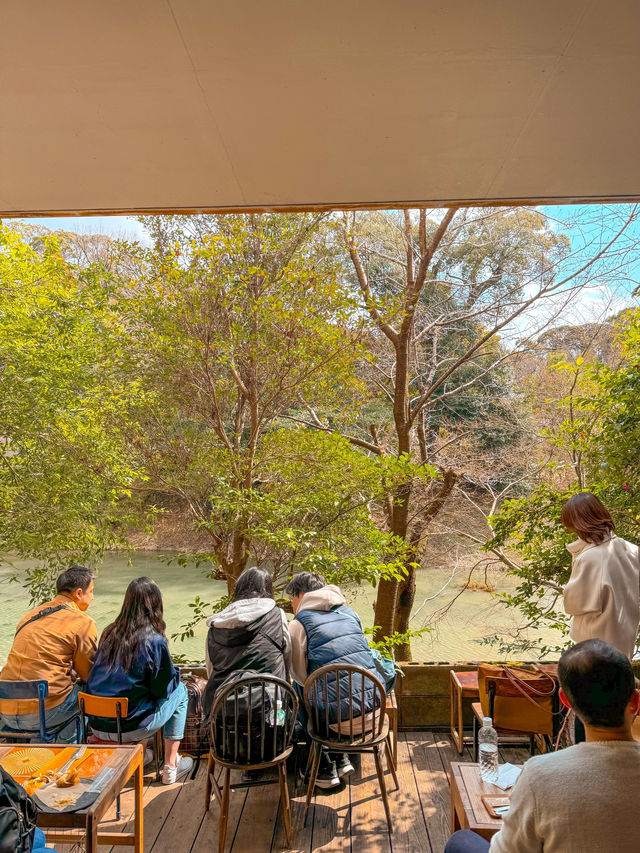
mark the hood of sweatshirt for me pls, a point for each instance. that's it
(241, 613)
(322, 599)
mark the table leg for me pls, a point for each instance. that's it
(92, 835)
(455, 814)
(138, 827)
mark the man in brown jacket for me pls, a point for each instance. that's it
(55, 641)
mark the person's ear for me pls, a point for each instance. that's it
(634, 703)
(564, 699)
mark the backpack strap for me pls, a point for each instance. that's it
(46, 611)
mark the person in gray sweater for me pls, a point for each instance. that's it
(582, 799)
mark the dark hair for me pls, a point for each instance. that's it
(140, 616)
(253, 583)
(305, 582)
(598, 682)
(586, 515)
(75, 577)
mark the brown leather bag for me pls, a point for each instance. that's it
(523, 697)
(196, 736)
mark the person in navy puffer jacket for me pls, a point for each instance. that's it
(325, 630)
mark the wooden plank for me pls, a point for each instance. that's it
(206, 840)
(331, 820)
(432, 785)
(183, 815)
(158, 800)
(409, 827)
(256, 831)
(369, 831)
(301, 841)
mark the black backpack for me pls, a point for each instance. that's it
(17, 816)
(233, 740)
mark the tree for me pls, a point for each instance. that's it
(65, 478)
(234, 320)
(599, 438)
(440, 290)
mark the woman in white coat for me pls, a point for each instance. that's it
(603, 592)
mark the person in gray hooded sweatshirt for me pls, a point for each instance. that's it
(250, 634)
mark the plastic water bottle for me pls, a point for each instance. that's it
(488, 751)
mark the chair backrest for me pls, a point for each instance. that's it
(29, 690)
(24, 689)
(345, 704)
(111, 707)
(252, 720)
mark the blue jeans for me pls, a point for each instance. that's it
(30, 723)
(465, 841)
(170, 716)
(39, 842)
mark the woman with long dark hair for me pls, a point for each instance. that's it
(251, 633)
(603, 592)
(133, 661)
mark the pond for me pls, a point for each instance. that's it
(473, 615)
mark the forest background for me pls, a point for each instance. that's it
(364, 394)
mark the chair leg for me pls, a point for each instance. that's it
(118, 807)
(224, 810)
(383, 786)
(317, 750)
(211, 765)
(475, 738)
(390, 763)
(532, 745)
(284, 801)
(159, 751)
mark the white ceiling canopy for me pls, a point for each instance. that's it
(188, 105)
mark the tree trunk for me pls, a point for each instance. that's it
(407, 592)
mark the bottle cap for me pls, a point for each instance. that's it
(487, 721)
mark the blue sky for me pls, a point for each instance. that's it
(591, 227)
(115, 226)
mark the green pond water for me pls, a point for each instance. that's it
(473, 615)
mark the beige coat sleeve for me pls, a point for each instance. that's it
(298, 651)
(519, 831)
(584, 592)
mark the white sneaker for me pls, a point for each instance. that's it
(172, 774)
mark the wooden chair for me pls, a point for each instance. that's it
(20, 690)
(502, 688)
(113, 708)
(462, 685)
(258, 741)
(334, 702)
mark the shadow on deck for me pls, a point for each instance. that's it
(350, 818)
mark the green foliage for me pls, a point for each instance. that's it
(387, 645)
(601, 435)
(65, 477)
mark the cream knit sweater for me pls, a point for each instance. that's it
(580, 800)
(603, 593)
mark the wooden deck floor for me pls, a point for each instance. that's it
(347, 819)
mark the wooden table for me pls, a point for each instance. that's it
(127, 761)
(467, 809)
